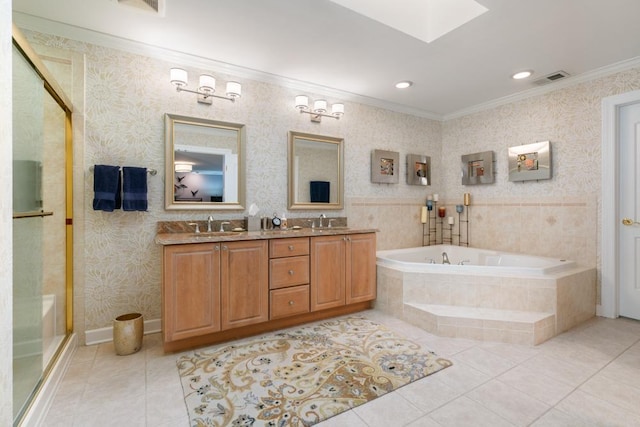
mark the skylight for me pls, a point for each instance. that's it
(425, 20)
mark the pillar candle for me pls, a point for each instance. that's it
(435, 197)
(423, 215)
(442, 212)
(459, 208)
(429, 204)
(450, 220)
(467, 199)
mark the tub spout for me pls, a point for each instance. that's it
(445, 258)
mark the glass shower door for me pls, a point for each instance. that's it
(28, 119)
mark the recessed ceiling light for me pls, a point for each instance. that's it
(404, 84)
(522, 75)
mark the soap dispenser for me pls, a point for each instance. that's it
(283, 220)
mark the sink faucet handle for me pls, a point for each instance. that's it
(222, 224)
(330, 223)
(320, 220)
(197, 227)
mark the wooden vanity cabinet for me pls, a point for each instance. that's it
(191, 290)
(244, 283)
(343, 270)
(215, 292)
(289, 277)
(211, 287)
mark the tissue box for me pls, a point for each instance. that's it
(252, 223)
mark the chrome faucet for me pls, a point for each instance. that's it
(445, 258)
(222, 224)
(209, 221)
(321, 217)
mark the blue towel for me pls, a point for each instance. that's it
(106, 188)
(134, 189)
(320, 191)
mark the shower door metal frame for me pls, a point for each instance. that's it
(56, 92)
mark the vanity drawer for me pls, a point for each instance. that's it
(289, 271)
(289, 301)
(295, 246)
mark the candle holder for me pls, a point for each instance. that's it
(467, 203)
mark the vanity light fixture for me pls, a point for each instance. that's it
(183, 167)
(319, 108)
(207, 87)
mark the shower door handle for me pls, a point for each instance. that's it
(31, 214)
(629, 221)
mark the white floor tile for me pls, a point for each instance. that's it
(588, 376)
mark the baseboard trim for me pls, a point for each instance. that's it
(40, 405)
(97, 336)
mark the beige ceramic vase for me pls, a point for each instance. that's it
(128, 330)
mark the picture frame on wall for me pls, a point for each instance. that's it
(385, 167)
(530, 162)
(418, 169)
(477, 168)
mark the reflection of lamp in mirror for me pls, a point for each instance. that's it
(183, 167)
(206, 87)
(319, 108)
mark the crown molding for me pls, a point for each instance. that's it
(34, 23)
(551, 87)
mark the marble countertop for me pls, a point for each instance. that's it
(233, 236)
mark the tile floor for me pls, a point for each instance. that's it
(589, 376)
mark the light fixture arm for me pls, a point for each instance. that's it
(204, 94)
(313, 113)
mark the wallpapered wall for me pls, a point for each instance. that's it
(127, 95)
(557, 217)
(6, 242)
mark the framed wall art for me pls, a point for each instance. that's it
(530, 161)
(477, 168)
(418, 169)
(385, 167)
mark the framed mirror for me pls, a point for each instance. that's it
(204, 163)
(316, 171)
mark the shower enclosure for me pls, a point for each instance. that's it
(41, 224)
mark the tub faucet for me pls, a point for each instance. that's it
(209, 221)
(445, 258)
(321, 217)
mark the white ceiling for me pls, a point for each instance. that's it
(319, 42)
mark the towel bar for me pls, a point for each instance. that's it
(151, 172)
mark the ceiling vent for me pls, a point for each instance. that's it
(153, 6)
(550, 78)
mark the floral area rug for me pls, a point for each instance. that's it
(300, 376)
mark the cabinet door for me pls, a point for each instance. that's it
(361, 268)
(327, 272)
(244, 283)
(191, 288)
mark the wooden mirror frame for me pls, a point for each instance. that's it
(170, 200)
(333, 204)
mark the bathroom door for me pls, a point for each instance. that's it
(629, 203)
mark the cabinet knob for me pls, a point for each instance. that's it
(291, 303)
(216, 248)
(224, 248)
(290, 247)
(290, 272)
